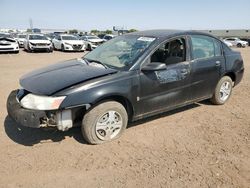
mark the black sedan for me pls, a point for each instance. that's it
(125, 79)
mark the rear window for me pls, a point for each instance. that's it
(205, 47)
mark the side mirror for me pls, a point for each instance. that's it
(154, 66)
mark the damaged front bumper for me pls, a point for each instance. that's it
(25, 117)
(62, 119)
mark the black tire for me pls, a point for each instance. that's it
(62, 48)
(217, 98)
(29, 50)
(239, 45)
(89, 47)
(91, 118)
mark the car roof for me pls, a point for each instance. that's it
(167, 33)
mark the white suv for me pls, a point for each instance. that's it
(236, 42)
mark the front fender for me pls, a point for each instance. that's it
(126, 87)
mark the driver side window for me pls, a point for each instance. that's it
(171, 52)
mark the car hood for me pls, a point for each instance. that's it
(4, 40)
(39, 41)
(49, 80)
(73, 41)
(20, 39)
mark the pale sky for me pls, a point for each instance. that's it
(138, 14)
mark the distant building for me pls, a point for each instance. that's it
(241, 33)
(36, 30)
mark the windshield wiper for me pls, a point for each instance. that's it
(96, 61)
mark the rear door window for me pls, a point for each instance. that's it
(202, 47)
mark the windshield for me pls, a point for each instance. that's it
(4, 35)
(93, 37)
(37, 37)
(121, 52)
(69, 38)
(22, 36)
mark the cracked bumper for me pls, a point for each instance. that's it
(25, 117)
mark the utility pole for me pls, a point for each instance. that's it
(31, 23)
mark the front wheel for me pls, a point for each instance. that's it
(105, 122)
(89, 47)
(222, 91)
(29, 49)
(62, 48)
(239, 45)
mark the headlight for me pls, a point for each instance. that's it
(32, 43)
(67, 43)
(37, 102)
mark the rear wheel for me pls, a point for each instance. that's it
(223, 91)
(105, 122)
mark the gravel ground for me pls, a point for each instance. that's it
(201, 145)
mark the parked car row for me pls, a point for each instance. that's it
(234, 41)
(48, 42)
(71, 42)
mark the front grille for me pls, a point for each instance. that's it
(6, 49)
(77, 46)
(41, 44)
(4, 44)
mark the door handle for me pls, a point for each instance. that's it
(217, 63)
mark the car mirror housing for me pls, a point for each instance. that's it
(154, 66)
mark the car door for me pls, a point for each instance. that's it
(165, 89)
(206, 66)
(233, 41)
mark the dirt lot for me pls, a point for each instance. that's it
(201, 145)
